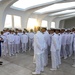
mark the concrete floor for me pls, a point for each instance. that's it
(22, 64)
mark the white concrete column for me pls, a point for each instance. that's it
(12, 22)
(1, 16)
(24, 19)
(49, 22)
(40, 18)
(1, 24)
(3, 5)
(57, 22)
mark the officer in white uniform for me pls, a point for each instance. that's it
(24, 41)
(71, 44)
(10, 39)
(39, 47)
(16, 42)
(47, 40)
(20, 34)
(6, 32)
(68, 39)
(58, 51)
(54, 48)
(63, 44)
(31, 39)
(27, 32)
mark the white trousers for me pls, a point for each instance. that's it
(68, 49)
(58, 58)
(74, 58)
(54, 59)
(71, 50)
(11, 49)
(30, 44)
(16, 48)
(24, 47)
(5, 48)
(63, 51)
(39, 62)
(46, 57)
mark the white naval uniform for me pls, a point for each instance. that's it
(71, 44)
(24, 41)
(20, 34)
(31, 39)
(59, 51)
(28, 41)
(54, 51)
(10, 39)
(16, 43)
(6, 34)
(47, 40)
(68, 43)
(39, 47)
(63, 46)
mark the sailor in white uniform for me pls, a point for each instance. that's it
(39, 47)
(10, 39)
(47, 40)
(59, 43)
(16, 43)
(31, 39)
(54, 49)
(24, 41)
(63, 44)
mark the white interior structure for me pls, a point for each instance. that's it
(29, 14)
(26, 4)
(18, 13)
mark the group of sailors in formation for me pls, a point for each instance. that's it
(16, 41)
(58, 43)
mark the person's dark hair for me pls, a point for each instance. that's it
(10, 31)
(16, 32)
(52, 30)
(31, 30)
(1, 32)
(73, 29)
(24, 32)
(44, 28)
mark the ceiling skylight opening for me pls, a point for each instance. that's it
(56, 7)
(25, 4)
(72, 14)
(63, 12)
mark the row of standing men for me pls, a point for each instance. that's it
(16, 42)
(58, 43)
